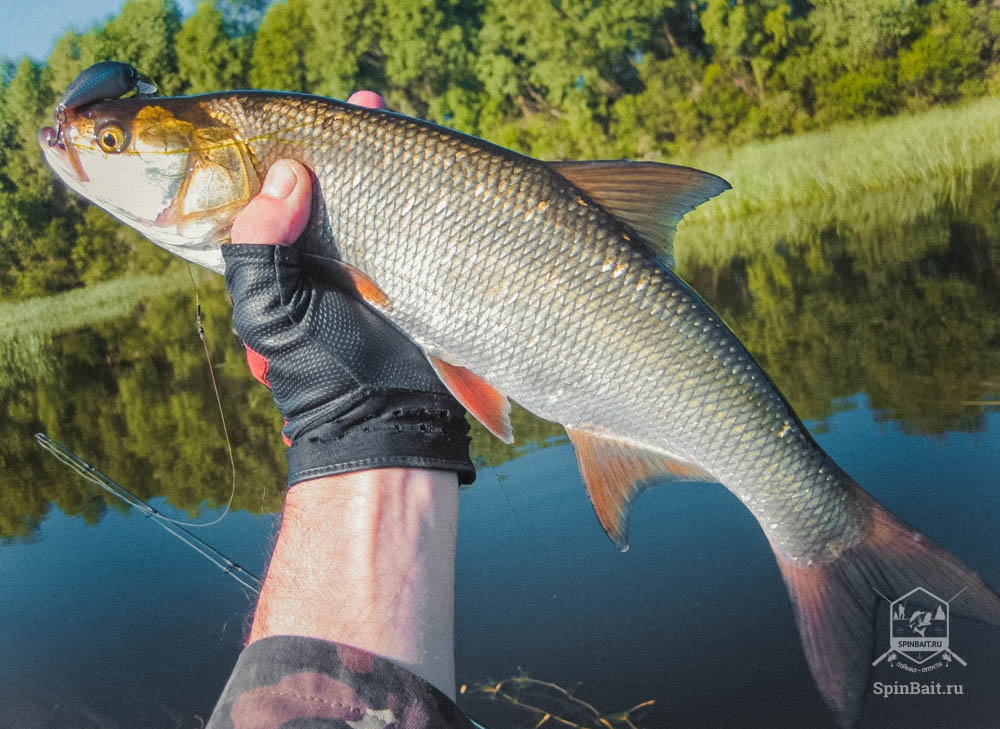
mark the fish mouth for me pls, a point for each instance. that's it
(56, 150)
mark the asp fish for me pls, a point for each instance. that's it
(548, 283)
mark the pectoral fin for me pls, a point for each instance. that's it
(488, 405)
(615, 473)
(362, 284)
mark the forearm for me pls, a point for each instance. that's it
(368, 559)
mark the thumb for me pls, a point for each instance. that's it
(279, 212)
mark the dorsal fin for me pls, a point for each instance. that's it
(615, 473)
(649, 196)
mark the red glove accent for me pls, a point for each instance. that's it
(258, 368)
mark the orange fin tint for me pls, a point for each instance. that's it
(615, 473)
(488, 405)
(835, 601)
(649, 196)
(363, 285)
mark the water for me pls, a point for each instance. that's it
(885, 336)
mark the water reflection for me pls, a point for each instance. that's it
(904, 306)
(899, 303)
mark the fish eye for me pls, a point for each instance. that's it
(112, 138)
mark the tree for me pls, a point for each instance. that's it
(749, 37)
(946, 61)
(661, 119)
(278, 60)
(427, 51)
(207, 58)
(344, 55)
(850, 34)
(241, 17)
(552, 71)
(854, 57)
(36, 250)
(143, 34)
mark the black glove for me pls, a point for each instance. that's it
(355, 392)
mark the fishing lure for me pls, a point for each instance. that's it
(104, 80)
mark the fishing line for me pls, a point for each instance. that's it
(222, 415)
(172, 526)
(510, 504)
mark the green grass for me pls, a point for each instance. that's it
(852, 159)
(48, 315)
(26, 326)
(860, 177)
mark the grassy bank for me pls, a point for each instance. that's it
(867, 178)
(50, 315)
(853, 159)
(28, 325)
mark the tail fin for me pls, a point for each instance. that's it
(835, 602)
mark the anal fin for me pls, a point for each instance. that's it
(615, 473)
(487, 404)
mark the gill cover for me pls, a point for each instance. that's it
(215, 174)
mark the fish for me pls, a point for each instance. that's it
(546, 283)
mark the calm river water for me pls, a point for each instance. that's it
(883, 330)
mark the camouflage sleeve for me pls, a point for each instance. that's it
(320, 684)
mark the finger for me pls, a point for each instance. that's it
(367, 99)
(278, 215)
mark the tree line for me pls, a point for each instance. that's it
(552, 78)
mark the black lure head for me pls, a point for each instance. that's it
(104, 80)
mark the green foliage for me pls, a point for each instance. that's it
(138, 392)
(144, 34)
(34, 243)
(862, 94)
(241, 17)
(946, 62)
(279, 51)
(429, 49)
(566, 78)
(850, 34)
(556, 68)
(343, 54)
(207, 58)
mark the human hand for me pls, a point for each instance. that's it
(355, 392)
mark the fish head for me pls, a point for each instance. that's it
(162, 166)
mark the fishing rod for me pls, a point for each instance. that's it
(77, 464)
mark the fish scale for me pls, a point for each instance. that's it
(542, 282)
